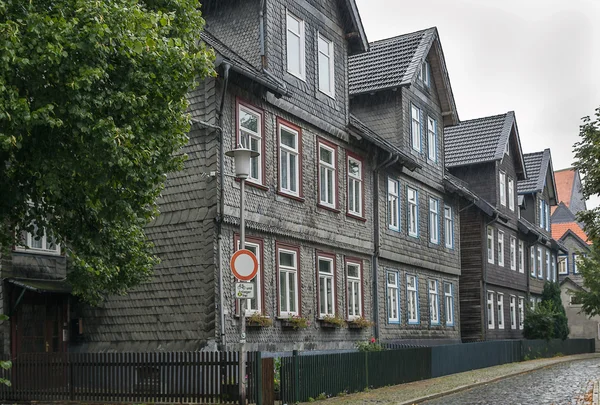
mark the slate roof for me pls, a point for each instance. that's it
(389, 63)
(564, 180)
(537, 165)
(477, 141)
(242, 66)
(382, 143)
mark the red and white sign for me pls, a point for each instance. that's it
(244, 265)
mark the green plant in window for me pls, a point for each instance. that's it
(360, 323)
(259, 319)
(336, 320)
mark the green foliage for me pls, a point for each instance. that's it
(311, 399)
(539, 322)
(92, 118)
(551, 293)
(589, 268)
(369, 346)
(277, 375)
(335, 320)
(360, 322)
(259, 320)
(321, 396)
(297, 322)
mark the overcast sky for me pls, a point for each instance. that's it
(539, 58)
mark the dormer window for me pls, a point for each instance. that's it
(424, 75)
(326, 66)
(295, 46)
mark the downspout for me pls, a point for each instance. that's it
(221, 206)
(375, 259)
(261, 19)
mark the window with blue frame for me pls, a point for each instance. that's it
(416, 127)
(412, 299)
(434, 221)
(449, 304)
(434, 303)
(448, 227)
(412, 201)
(393, 207)
(393, 297)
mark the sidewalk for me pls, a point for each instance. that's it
(419, 391)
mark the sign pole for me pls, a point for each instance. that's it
(242, 302)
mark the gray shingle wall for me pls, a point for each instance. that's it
(424, 331)
(306, 95)
(562, 214)
(577, 201)
(176, 309)
(574, 246)
(380, 112)
(482, 179)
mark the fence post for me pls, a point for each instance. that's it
(296, 377)
(258, 380)
(71, 377)
(366, 369)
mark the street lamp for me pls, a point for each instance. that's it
(242, 158)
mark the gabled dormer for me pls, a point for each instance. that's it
(486, 152)
(401, 89)
(538, 190)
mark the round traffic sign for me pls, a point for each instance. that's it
(244, 265)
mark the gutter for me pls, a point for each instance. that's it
(375, 258)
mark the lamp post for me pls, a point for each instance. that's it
(242, 158)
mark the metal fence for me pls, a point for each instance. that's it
(305, 377)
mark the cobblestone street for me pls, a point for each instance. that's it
(560, 384)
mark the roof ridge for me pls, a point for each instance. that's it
(482, 118)
(379, 41)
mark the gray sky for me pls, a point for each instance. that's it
(540, 58)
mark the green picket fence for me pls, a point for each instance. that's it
(311, 376)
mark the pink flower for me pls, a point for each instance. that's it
(372, 340)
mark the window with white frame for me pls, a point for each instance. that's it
(500, 248)
(449, 303)
(563, 264)
(553, 267)
(288, 281)
(532, 261)
(355, 186)
(541, 213)
(576, 262)
(511, 193)
(540, 264)
(490, 310)
(326, 66)
(254, 305)
(250, 130)
(513, 312)
(393, 295)
(424, 75)
(532, 303)
(502, 185)
(500, 305)
(289, 160)
(432, 139)
(354, 289)
(513, 253)
(412, 299)
(548, 269)
(448, 227)
(547, 217)
(434, 220)
(295, 46)
(393, 207)
(38, 241)
(326, 285)
(327, 175)
(521, 257)
(521, 312)
(415, 132)
(412, 211)
(490, 244)
(434, 303)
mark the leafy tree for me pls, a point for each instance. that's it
(589, 268)
(539, 322)
(92, 118)
(551, 293)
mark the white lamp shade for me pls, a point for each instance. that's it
(241, 157)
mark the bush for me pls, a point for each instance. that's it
(551, 293)
(539, 322)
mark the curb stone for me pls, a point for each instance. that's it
(596, 393)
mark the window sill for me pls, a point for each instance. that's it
(255, 185)
(354, 216)
(290, 196)
(38, 252)
(325, 207)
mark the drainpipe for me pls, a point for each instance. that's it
(375, 259)
(221, 205)
(261, 19)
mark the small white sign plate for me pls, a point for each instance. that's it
(244, 290)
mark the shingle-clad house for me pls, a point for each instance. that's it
(536, 195)
(400, 88)
(486, 154)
